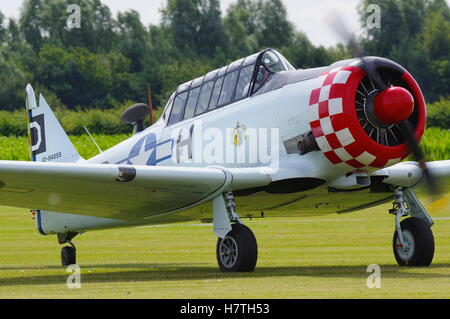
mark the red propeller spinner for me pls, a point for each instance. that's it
(393, 105)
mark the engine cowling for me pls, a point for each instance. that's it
(354, 124)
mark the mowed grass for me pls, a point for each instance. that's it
(314, 257)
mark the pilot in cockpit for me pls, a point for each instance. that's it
(261, 77)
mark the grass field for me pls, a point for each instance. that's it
(314, 257)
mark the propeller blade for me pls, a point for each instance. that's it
(334, 20)
(372, 73)
(405, 128)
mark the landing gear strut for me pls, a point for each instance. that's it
(68, 253)
(236, 249)
(413, 241)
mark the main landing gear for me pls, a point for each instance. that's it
(68, 253)
(236, 249)
(413, 241)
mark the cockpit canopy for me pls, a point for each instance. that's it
(224, 86)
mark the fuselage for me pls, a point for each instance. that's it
(262, 123)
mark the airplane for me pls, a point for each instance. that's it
(254, 139)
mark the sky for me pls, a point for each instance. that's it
(308, 16)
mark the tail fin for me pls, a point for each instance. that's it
(47, 139)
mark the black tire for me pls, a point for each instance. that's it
(68, 256)
(422, 237)
(244, 258)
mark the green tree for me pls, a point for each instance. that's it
(272, 26)
(3, 30)
(436, 42)
(240, 29)
(160, 53)
(46, 22)
(13, 83)
(30, 23)
(303, 54)
(132, 38)
(251, 25)
(80, 77)
(195, 26)
(381, 41)
(436, 36)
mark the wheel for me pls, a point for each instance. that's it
(238, 251)
(419, 243)
(68, 256)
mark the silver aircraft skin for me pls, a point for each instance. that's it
(254, 139)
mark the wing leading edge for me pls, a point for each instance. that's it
(116, 191)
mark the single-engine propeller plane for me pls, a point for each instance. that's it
(256, 138)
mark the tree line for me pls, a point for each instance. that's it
(109, 60)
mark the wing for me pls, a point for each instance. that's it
(409, 174)
(117, 191)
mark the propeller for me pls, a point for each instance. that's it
(393, 105)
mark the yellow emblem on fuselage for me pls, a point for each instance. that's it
(239, 134)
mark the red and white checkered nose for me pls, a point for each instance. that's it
(339, 132)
